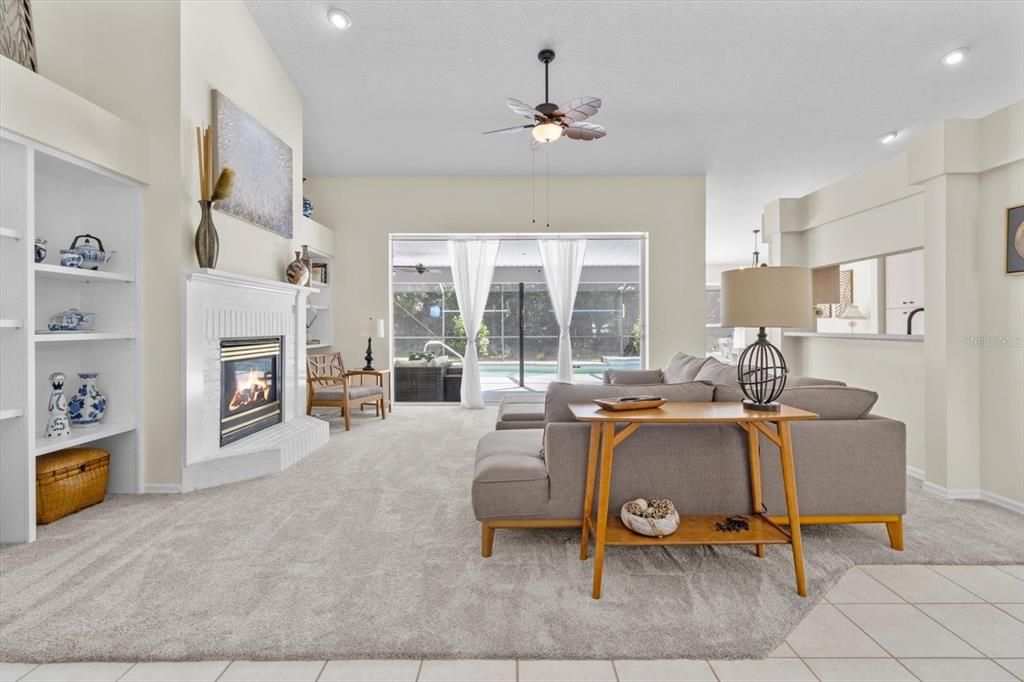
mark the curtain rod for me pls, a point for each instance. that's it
(436, 237)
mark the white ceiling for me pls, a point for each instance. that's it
(767, 99)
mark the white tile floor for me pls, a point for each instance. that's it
(892, 623)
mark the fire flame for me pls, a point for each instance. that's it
(249, 391)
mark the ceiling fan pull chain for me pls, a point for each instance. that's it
(547, 185)
(533, 187)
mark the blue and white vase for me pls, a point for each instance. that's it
(88, 406)
(307, 207)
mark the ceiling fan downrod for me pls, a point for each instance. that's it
(546, 57)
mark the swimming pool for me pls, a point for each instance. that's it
(544, 368)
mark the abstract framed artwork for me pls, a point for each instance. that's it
(1015, 240)
(262, 193)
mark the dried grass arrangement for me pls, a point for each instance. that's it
(207, 241)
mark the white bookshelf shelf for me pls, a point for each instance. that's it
(80, 435)
(43, 337)
(49, 194)
(77, 274)
(314, 346)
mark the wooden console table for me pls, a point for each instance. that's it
(693, 530)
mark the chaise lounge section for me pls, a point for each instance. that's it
(850, 464)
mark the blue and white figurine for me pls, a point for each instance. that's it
(88, 406)
(58, 426)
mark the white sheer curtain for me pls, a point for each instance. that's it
(472, 270)
(563, 264)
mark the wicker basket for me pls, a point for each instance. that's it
(69, 480)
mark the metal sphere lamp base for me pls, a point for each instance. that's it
(761, 373)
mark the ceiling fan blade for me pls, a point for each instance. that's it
(579, 109)
(584, 131)
(523, 109)
(505, 131)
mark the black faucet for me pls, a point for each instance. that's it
(910, 318)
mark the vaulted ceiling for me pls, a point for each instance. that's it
(767, 99)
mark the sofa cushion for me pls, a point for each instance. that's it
(511, 479)
(828, 402)
(717, 372)
(560, 394)
(682, 368)
(796, 381)
(337, 392)
(518, 412)
(632, 377)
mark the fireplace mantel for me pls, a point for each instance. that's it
(222, 305)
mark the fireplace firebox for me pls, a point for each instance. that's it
(251, 381)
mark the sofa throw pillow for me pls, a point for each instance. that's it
(828, 402)
(424, 355)
(559, 395)
(717, 373)
(682, 368)
(632, 377)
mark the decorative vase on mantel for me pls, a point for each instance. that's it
(207, 241)
(297, 272)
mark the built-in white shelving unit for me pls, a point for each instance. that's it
(47, 194)
(320, 301)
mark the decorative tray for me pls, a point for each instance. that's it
(642, 402)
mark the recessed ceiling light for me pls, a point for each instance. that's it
(339, 18)
(955, 57)
(889, 137)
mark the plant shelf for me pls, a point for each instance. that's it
(43, 337)
(80, 435)
(77, 274)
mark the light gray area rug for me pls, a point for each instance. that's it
(369, 548)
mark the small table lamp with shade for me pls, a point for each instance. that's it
(765, 297)
(371, 328)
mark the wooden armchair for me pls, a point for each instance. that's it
(328, 384)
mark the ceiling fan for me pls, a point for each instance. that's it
(419, 268)
(551, 121)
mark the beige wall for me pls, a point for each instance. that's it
(961, 392)
(1002, 327)
(364, 211)
(153, 63)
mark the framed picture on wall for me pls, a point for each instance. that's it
(1015, 240)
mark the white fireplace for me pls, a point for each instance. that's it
(224, 310)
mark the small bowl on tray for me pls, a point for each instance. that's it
(631, 402)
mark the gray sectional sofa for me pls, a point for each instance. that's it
(850, 464)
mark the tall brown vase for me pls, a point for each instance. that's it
(207, 242)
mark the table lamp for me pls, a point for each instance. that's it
(765, 297)
(853, 313)
(370, 328)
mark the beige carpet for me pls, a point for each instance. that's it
(368, 548)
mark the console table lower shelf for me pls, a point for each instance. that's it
(608, 529)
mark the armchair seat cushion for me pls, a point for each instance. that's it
(337, 392)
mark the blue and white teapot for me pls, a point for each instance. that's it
(92, 255)
(71, 320)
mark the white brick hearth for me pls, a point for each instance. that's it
(221, 305)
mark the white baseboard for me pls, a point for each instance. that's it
(972, 494)
(161, 488)
(915, 473)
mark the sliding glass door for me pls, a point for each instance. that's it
(518, 340)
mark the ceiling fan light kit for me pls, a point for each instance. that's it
(550, 121)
